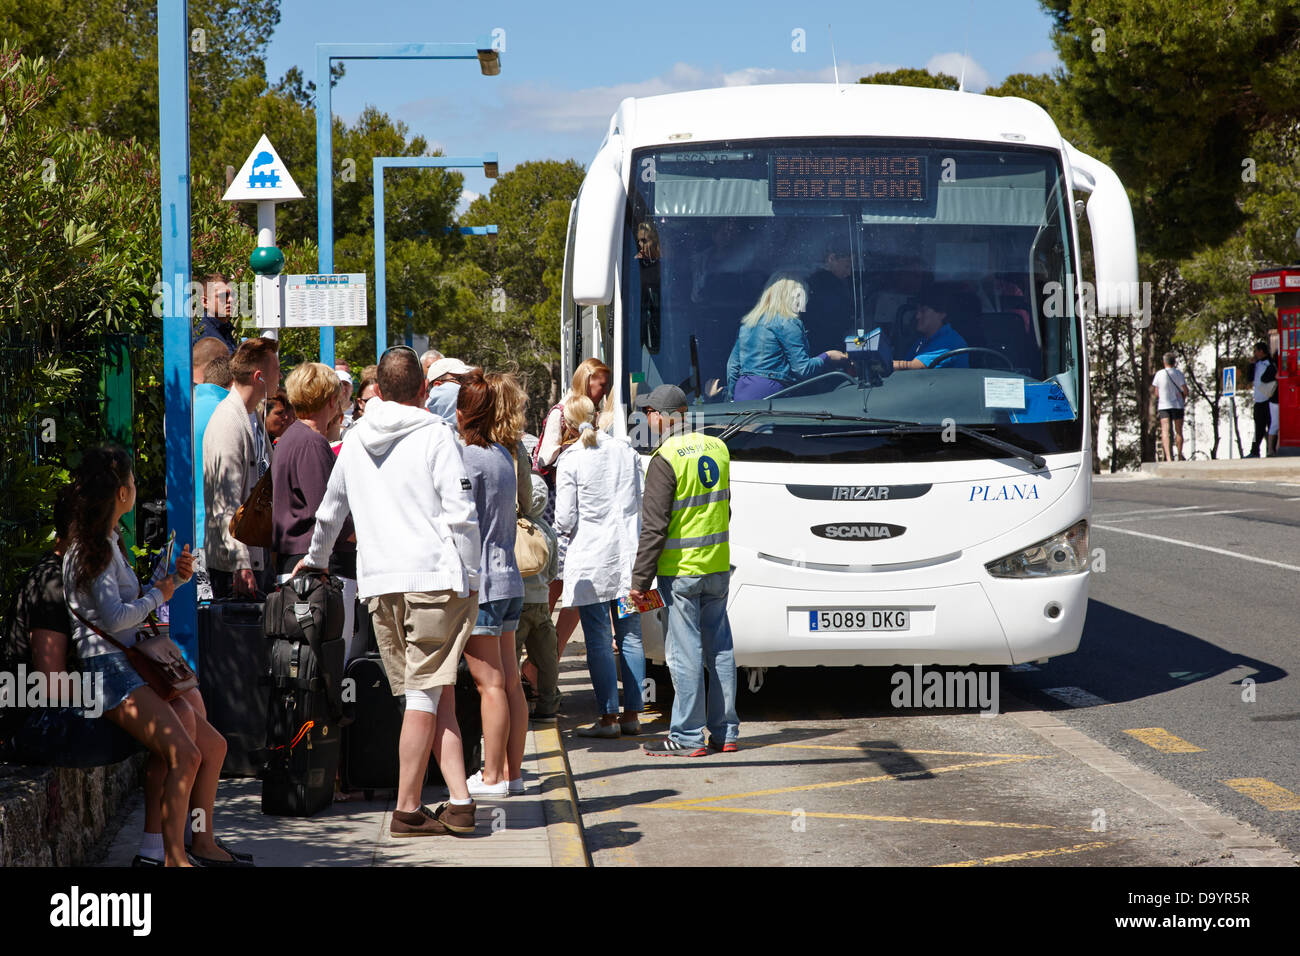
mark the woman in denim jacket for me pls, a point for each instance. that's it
(771, 351)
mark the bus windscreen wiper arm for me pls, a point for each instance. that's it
(748, 416)
(1038, 461)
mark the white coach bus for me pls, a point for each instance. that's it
(936, 514)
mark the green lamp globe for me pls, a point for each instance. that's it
(267, 260)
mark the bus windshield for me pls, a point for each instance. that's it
(916, 281)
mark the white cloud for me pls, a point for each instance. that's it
(467, 196)
(951, 63)
(1041, 62)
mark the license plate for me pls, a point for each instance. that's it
(859, 619)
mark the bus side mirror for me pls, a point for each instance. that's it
(602, 203)
(1114, 243)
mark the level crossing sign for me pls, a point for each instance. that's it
(263, 177)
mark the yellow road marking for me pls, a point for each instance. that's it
(899, 750)
(1157, 738)
(858, 816)
(1266, 793)
(848, 783)
(1031, 854)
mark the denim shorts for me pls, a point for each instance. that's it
(119, 677)
(499, 617)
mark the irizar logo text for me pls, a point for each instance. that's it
(76, 909)
(859, 492)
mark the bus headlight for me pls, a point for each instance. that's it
(1063, 553)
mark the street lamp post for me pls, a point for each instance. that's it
(489, 61)
(489, 163)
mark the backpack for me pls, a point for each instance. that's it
(307, 610)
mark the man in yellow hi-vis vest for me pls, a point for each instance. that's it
(685, 517)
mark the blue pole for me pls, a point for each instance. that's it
(381, 271)
(324, 186)
(174, 151)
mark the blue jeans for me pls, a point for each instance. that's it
(699, 637)
(604, 672)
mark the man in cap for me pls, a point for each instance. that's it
(685, 519)
(444, 388)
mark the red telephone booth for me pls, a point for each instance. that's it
(1284, 286)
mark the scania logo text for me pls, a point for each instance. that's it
(857, 531)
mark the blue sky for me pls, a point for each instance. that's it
(566, 66)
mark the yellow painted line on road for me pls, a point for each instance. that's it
(695, 801)
(1031, 854)
(1266, 793)
(892, 750)
(873, 818)
(1157, 738)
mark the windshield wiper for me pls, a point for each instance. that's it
(746, 417)
(916, 428)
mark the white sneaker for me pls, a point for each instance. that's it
(516, 786)
(477, 788)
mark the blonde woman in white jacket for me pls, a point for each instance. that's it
(598, 504)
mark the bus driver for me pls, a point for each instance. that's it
(934, 335)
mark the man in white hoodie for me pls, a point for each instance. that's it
(401, 476)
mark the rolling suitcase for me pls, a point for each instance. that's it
(304, 633)
(370, 741)
(232, 663)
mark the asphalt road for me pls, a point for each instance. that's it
(830, 772)
(1175, 630)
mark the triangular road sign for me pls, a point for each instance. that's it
(263, 178)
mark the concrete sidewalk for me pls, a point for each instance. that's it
(1282, 468)
(539, 828)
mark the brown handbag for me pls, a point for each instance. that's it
(157, 660)
(252, 522)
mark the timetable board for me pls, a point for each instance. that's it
(319, 300)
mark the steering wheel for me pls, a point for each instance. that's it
(974, 348)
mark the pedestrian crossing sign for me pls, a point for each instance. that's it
(262, 178)
(1229, 380)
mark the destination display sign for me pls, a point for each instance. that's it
(854, 175)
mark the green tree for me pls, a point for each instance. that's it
(78, 263)
(106, 58)
(910, 76)
(1178, 91)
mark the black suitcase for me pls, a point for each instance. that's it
(303, 625)
(370, 741)
(232, 665)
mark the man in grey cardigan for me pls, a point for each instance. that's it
(236, 453)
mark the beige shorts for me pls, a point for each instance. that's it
(421, 636)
